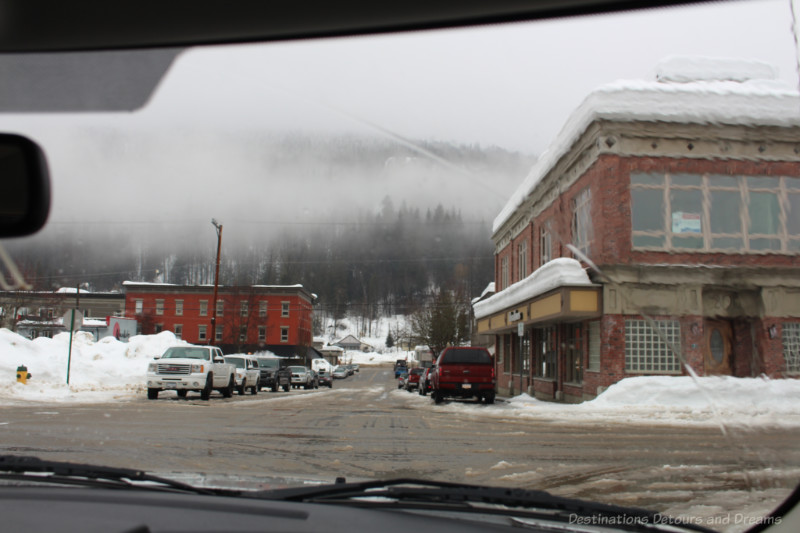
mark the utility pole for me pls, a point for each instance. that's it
(213, 333)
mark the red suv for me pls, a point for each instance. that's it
(466, 372)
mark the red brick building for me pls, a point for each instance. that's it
(249, 318)
(685, 197)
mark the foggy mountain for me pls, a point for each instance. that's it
(357, 220)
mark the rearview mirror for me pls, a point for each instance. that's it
(25, 198)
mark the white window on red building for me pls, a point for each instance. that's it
(178, 307)
(220, 307)
(201, 333)
(582, 221)
(545, 245)
(284, 334)
(504, 281)
(178, 331)
(522, 259)
(218, 334)
(244, 308)
(262, 309)
(203, 307)
(262, 333)
(139, 306)
(159, 307)
(284, 309)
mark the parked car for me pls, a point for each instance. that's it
(314, 378)
(400, 367)
(247, 373)
(325, 378)
(413, 379)
(401, 380)
(302, 377)
(274, 375)
(464, 372)
(339, 372)
(356, 368)
(425, 381)
(191, 368)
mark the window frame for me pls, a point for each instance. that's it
(203, 308)
(545, 245)
(790, 339)
(745, 187)
(522, 259)
(582, 234)
(649, 352)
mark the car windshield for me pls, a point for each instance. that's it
(597, 216)
(466, 357)
(185, 353)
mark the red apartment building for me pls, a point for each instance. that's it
(661, 228)
(248, 318)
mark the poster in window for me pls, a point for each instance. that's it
(686, 222)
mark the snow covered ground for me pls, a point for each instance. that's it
(110, 370)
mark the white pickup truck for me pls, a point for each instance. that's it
(248, 374)
(191, 368)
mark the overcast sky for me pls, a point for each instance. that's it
(512, 86)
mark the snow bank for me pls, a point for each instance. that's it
(680, 400)
(98, 370)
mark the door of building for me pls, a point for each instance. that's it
(718, 347)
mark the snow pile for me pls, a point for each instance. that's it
(677, 400)
(682, 69)
(553, 274)
(690, 91)
(98, 370)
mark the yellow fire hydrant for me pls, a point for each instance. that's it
(22, 374)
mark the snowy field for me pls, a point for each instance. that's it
(110, 370)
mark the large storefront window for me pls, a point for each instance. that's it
(646, 349)
(573, 354)
(544, 348)
(507, 353)
(711, 212)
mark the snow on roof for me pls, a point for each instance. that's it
(687, 90)
(488, 290)
(560, 272)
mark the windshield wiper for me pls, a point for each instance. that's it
(409, 493)
(29, 469)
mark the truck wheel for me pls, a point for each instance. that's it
(227, 392)
(437, 397)
(181, 393)
(254, 390)
(152, 394)
(205, 394)
(275, 386)
(242, 387)
(286, 388)
(488, 398)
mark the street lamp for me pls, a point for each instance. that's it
(213, 332)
